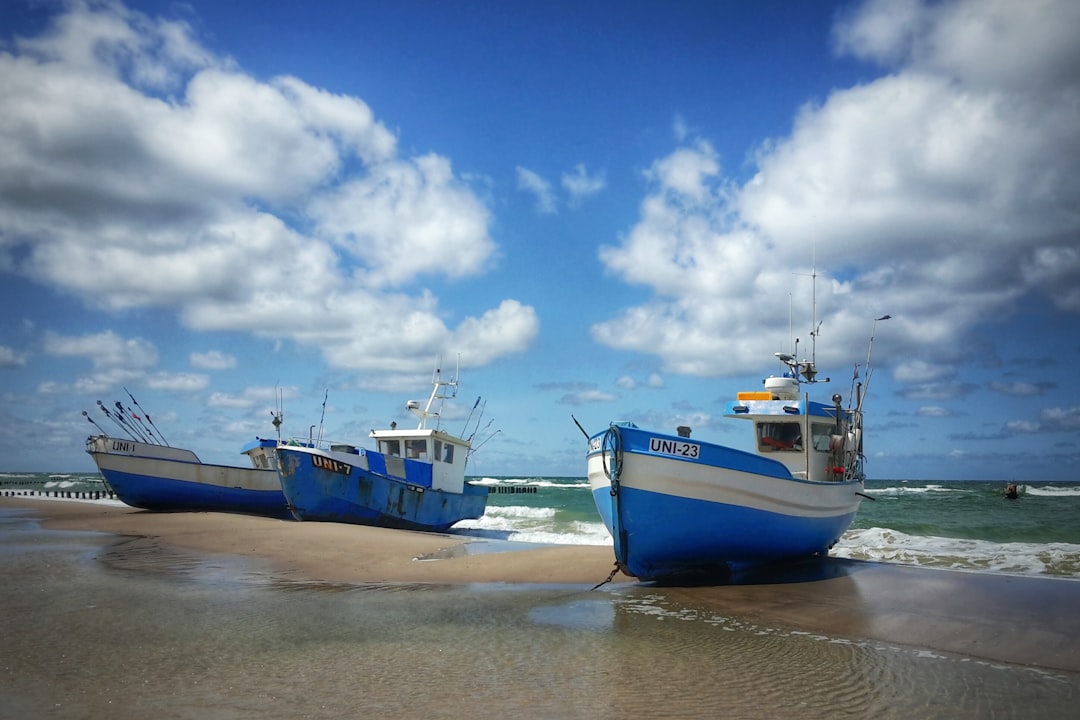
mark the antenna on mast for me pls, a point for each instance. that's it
(790, 330)
(808, 369)
(279, 414)
(817, 325)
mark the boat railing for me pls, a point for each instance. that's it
(324, 445)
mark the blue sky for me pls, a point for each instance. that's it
(609, 210)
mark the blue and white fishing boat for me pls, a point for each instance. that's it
(146, 472)
(415, 479)
(677, 506)
(163, 478)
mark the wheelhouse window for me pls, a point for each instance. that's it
(416, 448)
(444, 452)
(261, 461)
(788, 437)
(779, 436)
(390, 447)
(821, 435)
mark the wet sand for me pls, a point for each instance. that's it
(1012, 619)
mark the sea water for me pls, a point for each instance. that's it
(967, 525)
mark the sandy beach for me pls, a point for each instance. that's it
(338, 552)
(1013, 619)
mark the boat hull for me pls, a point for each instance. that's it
(357, 488)
(710, 510)
(142, 477)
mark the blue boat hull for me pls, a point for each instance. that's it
(713, 510)
(358, 490)
(683, 536)
(169, 495)
(160, 477)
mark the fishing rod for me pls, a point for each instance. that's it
(87, 416)
(130, 417)
(579, 426)
(118, 417)
(870, 350)
(477, 448)
(323, 416)
(143, 426)
(113, 418)
(488, 424)
(148, 418)
(469, 419)
(479, 418)
(130, 423)
(477, 429)
(869, 370)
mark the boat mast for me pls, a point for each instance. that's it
(437, 383)
(279, 414)
(808, 369)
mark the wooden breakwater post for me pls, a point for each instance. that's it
(62, 494)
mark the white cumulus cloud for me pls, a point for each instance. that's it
(942, 192)
(142, 170)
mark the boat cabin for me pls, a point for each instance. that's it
(781, 424)
(262, 453)
(444, 455)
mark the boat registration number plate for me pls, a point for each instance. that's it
(674, 447)
(330, 464)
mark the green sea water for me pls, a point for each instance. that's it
(953, 524)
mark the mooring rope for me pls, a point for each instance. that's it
(610, 577)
